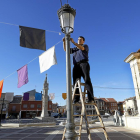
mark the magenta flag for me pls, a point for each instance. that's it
(22, 76)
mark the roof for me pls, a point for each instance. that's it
(16, 100)
(62, 107)
(108, 99)
(132, 56)
(121, 102)
(131, 98)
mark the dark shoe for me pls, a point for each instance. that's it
(76, 101)
(90, 100)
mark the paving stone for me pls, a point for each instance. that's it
(39, 135)
(9, 138)
(28, 131)
(16, 135)
(33, 139)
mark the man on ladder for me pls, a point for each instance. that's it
(81, 66)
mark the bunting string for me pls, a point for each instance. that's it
(30, 61)
(36, 28)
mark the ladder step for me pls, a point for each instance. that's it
(84, 93)
(78, 125)
(77, 104)
(82, 84)
(94, 115)
(78, 135)
(77, 115)
(97, 127)
(90, 103)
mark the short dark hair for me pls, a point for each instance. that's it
(82, 37)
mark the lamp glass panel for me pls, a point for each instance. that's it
(67, 22)
(71, 21)
(64, 20)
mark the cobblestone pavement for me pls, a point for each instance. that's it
(55, 133)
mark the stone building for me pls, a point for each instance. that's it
(110, 105)
(62, 109)
(120, 107)
(33, 108)
(134, 60)
(5, 100)
(15, 106)
(130, 107)
(54, 107)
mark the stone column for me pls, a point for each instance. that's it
(45, 99)
(44, 115)
(134, 60)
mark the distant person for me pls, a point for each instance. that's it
(81, 66)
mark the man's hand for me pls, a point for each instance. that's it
(71, 39)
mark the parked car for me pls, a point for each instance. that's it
(106, 115)
(57, 116)
(54, 114)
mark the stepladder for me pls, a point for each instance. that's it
(83, 114)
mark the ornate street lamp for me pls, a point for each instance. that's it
(66, 16)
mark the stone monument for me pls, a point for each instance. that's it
(44, 115)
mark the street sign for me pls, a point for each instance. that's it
(64, 96)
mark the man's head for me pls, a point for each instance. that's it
(81, 40)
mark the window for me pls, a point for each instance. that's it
(25, 106)
(49, 106)
(38, 106)
(32, 106)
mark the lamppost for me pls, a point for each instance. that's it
(1, 111)
(66, 16)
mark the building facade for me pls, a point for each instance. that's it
(31, 109)
(120, 108)
(15, 107)
(110, 105)
(130, 106)
(4, 103)
(54, 107)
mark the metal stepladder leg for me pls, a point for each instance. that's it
(83, 114)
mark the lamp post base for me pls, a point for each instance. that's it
(45, 119)
(70, 131)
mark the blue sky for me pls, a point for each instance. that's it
(111, 29)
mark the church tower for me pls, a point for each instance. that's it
(45, 99)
